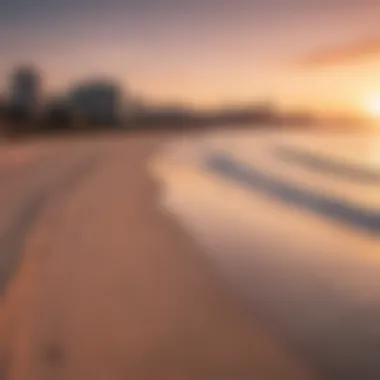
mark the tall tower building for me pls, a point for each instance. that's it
(25, 88)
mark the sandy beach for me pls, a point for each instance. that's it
(99, 283)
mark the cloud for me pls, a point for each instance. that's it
(341, 55)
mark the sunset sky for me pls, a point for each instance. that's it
(317, 54)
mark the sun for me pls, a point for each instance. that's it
(373, 106)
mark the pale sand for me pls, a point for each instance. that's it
(111, 288)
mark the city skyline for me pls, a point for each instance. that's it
(320, 55)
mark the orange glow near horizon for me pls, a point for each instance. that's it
(373, 106)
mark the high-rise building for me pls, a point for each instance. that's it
(25, 88)
(99, 101)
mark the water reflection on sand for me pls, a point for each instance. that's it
(314, 279)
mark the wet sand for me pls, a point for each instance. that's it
(99, 283)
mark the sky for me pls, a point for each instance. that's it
(322, 55)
